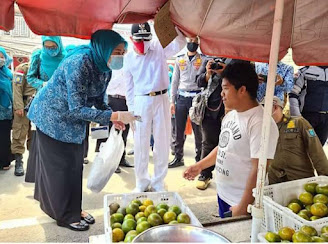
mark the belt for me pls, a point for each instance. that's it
(188, 93)
(152, 94)
(117, 96)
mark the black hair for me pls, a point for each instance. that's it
(242, 73)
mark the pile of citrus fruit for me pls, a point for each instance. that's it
(305, 234)
(127, 222)
(311, 204)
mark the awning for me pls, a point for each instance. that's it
(235, 28)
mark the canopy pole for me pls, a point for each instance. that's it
(257, 209)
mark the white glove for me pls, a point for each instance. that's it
(126, 117)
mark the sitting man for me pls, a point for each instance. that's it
(299, 151)
(237, 155)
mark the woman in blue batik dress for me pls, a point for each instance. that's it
(60, 110)
(43, 64)
(6, 110)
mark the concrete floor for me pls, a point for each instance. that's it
(21, 219)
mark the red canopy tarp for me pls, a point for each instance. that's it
(7, 15)
(235, 28)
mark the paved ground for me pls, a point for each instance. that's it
(21, 219)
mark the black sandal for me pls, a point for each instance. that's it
(89, 219)
(81, 226)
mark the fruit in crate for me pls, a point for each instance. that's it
(309, 230)
(272, 237)
(320, 198)
(117, 235)
(133, 209)
(322, 189)
(301, 237)
(155, 219)
(286, 233)
(128, 225)
(306, 198)
(295, 207)
(149, 210)
(311, 187)
(137, 216)
(305, 234)
(142, 226)
(319, 210)
(113, 207)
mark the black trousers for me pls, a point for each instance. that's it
(5, 153)
(211, 128)
(182, 107)
(116, 104)
(319, 123)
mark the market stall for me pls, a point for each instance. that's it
(250, 30)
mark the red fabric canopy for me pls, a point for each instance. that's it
(7, 13)
(235, 28)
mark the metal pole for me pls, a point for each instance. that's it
(257, 209)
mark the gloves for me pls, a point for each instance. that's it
(126, 117)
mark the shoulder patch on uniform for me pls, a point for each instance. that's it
(18, 76)
(291, 124)
(311, 133)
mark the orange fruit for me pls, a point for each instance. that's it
(169, 216)
(155, 219)
(183, 218)
(142, 226)
(117, 235)
(306, 198)
(319, 209)
(286, 233)
(147, 202)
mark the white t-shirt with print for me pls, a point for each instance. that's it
(239, 142)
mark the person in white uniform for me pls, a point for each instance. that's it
(147, 81)
(237, 155)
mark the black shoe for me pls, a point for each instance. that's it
(176, 162)
(125, 163)
(118, 170)
(85, 161)
(82, 226)
(89, 219)
(131, 152)
(173, 152)
(19, 170)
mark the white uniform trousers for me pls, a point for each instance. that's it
(152, 109)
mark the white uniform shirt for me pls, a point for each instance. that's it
(148, 73)
(116, 85)
(239, 142)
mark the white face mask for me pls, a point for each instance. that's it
(146, 46)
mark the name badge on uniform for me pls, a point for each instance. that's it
(311, 133)
(197, 63)
(291, 124)
(182, 64)
(18, 77)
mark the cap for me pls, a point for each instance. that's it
(276, 101)
(141, 31)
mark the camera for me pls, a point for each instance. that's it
(216, 65)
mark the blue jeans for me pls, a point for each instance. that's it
(223, 207)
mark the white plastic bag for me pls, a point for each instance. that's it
(106, 162)
(99, 132)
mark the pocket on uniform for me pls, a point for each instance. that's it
(290, 140)
(17, 130)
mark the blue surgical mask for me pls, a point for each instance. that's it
(52, 51)
(2, 62)
(116, 62)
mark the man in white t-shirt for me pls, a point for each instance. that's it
(237, 155)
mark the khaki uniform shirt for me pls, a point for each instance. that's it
(21, 89)
(298, 145)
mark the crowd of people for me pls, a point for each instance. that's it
(50, 102)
